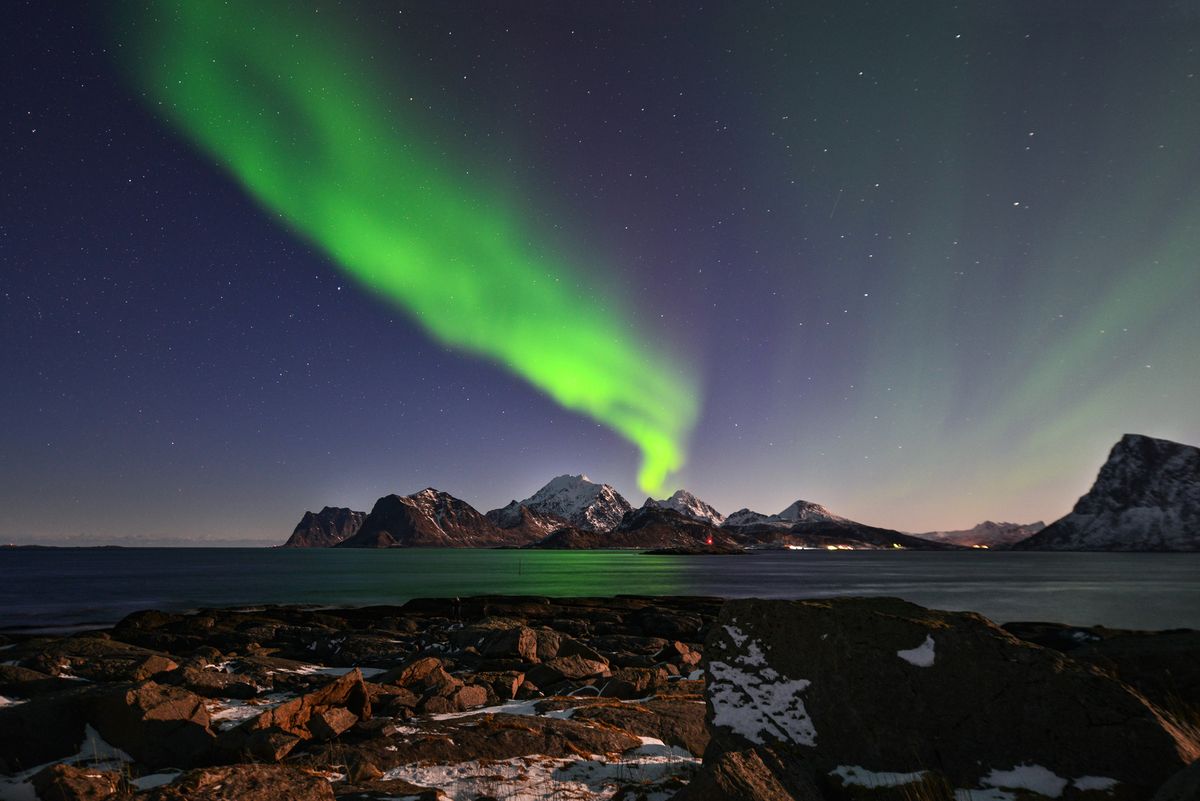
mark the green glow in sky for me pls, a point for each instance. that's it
(272, 94)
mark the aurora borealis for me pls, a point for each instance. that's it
(267, 95)
(920, 265)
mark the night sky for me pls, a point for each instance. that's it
(920, 263)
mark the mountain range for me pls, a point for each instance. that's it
(573, 512)
(987, 534)
(1147, 497)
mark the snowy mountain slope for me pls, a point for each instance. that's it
(580, 502)
(797, 512)
(431, 518)
(1146, 498)
(516, 515)
(325, 528)
(688, 505)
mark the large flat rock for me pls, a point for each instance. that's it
(866, 691)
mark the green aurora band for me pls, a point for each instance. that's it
(265, 92)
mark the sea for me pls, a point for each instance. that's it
(69, 589)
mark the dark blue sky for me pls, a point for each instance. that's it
(928, 264)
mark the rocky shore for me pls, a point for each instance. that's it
(695, 699)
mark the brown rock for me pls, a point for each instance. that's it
(632, 683)
(68, 783)
(548, 641)
(677, 721)
(565, 667)
(420, 676)
(436, 705)
(269, 745)
(329, 722)
(151, 666)
(245, 783)
(528, 690)
(387, 789)
(503, 736)
(569, 646)
(303, 718)
(505, 684)
(212, 683)
(158, 725)
(740, 776)
(469, 697)
(24, 682)
(360, 769)
(519, 642)
(392, 701)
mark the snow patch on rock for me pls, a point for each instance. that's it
(1097, 783)
(922, 655)
(861, 777)
(1035, 778)
(751, 698)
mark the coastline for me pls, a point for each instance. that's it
(600, 697)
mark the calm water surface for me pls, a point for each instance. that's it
(69, 588)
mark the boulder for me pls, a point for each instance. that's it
(69, 783)
(43, 729)
(392, 701)
(98, 659)
(469, 697)
(679, 653)
(329, 722)
(1183, 786)
(853, 689)
(319, 715)
(569, 646)
(679, 721)
(1163, 665)
(245, 783)
(563, 668)
(152, 665)
(418, 675)
(548, 641)
(387, 790)
(20, 682)
(158, 725)
(496, 737)
(212, 683)
(740, 776)
(505, 684)
(518, 642)
(630, 683)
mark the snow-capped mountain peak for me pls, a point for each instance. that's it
(807, 512)
(581, 502)
(797, 512)
(746, 517)
(689, 505)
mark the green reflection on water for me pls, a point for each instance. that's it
(396, 575)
